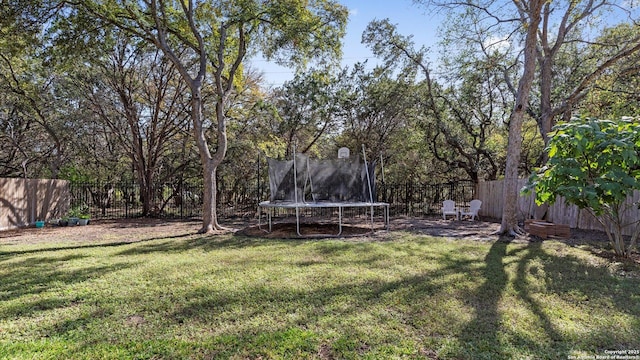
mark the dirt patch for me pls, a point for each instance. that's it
(125, 231)
(486, 231)
(132, 230)
(473, 230)
(103, 231)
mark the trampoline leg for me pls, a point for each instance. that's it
(339, 220)
(371, 218)
(386, 215)
(298, 221)
(268, 213)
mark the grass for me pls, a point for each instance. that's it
(232, 297)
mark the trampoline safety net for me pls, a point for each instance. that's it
(306, 179)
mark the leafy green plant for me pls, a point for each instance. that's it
(595, 164)
(80, 211)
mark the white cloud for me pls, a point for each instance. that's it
(495, 43)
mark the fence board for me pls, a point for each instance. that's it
(490, 192)
(23, 201)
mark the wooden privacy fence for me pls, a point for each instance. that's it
(23, 201)
(490, 192)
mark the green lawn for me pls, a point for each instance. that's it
(232, 297)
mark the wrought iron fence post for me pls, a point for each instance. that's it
(259, 193)
(181, 197)
(406, 198)
(126, 203)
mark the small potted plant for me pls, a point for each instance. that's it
(84, 219)
(83, 215)
(73, 220)
(55, 220)
(74, 216)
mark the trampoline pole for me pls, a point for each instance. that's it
(339, 220)
(298, 221)
(310, 181)
(366, 169)
(295, 176)
(295, 190)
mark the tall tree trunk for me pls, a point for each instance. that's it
(210, 162)
(545, 117)
(209, 211)
(509, 225)
(147, 190)
(209, 166)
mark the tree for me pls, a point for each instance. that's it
(528, 19)
(472, 138)
(541, 46)
(240, 176)
(577, 43)
(530, 14)
(137, 94)
(378, 110)
(305, 110)
(33, 116)
(595, 164)
(571, 59)
(217, 37)
(615, 93)
(458, 120)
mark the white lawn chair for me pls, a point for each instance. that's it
(474, 207)
(449, 208)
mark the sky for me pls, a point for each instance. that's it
(410, 19)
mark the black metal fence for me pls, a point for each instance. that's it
(122, 200)
(424, 199)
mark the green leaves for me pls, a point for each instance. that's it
(593, 164)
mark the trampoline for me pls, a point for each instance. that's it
(305, 183)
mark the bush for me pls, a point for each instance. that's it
(594, 164)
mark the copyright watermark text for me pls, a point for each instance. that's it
(609, 355)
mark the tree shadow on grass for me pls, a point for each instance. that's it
(480, 338)
(31, 276)
(339, 308)
(587, 286)
(209, 243)
(556, 343)
(174, 244)
(4, 255)
(306, 315)
(566, 280)
(269, 317)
